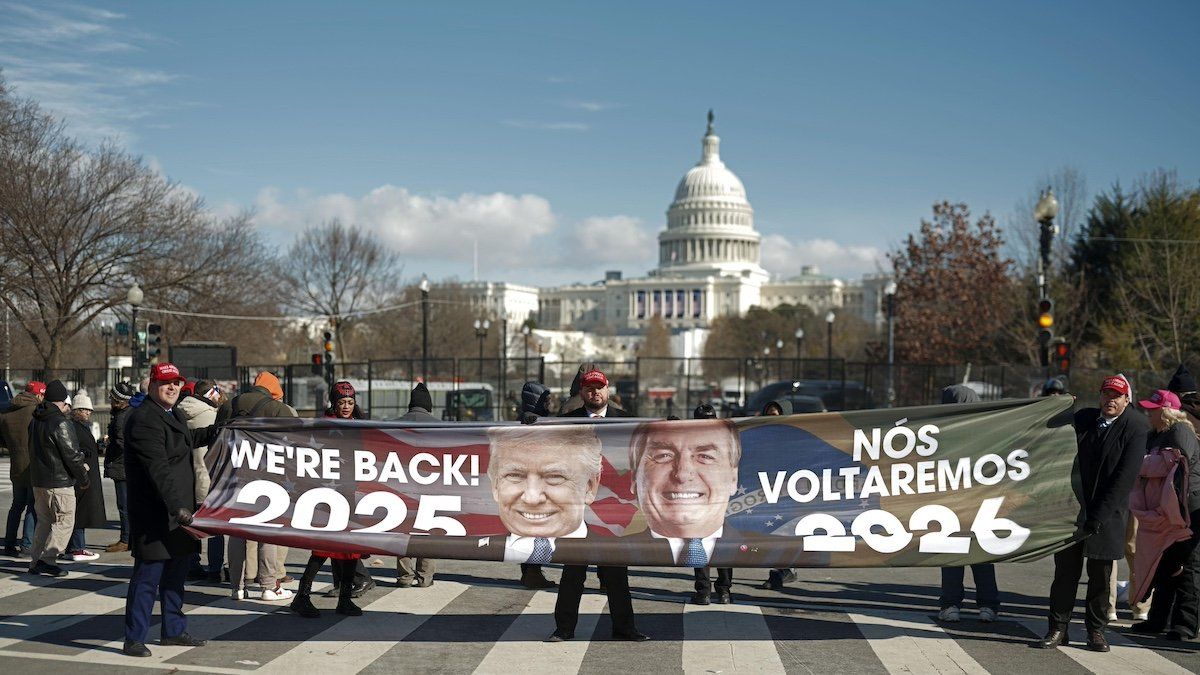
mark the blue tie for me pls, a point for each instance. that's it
(693, 554)
(541, 552)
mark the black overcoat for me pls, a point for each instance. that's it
(89, 503)
(160, 480)
(1109, 461)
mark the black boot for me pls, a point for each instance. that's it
(346, 604)
(302, 603)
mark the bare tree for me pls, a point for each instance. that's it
(338, 271)
(79, 226)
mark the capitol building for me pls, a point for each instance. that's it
(708, 267)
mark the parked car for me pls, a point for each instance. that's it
(833, 394)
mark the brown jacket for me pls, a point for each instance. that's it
(14, 435)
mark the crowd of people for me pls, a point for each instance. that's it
(159, 433)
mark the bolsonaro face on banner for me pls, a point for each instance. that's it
(685, 474)
(543, 478)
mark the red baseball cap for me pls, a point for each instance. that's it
(593, 378)
(1116, 383)
(166, 372)
(36, 388)
(1161, 399)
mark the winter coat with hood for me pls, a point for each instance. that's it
(114, 449)
(14, 435)
(420, 406)
(89, 503)
(264, 399)
(1183, 439)
(198, 412)
(55, 460)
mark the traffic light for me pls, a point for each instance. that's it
(1045, 321)
(317, 360)
(328, 347)
(153, 342)
(140, 357)
(1062, 357)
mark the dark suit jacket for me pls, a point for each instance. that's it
(161, 480)
(1108, 464)
(611, 412)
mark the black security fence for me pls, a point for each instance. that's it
(489, 389)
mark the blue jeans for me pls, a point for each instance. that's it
(122, 508)
(78, 541)
(986, 593)
(22, 501)
(161, 580)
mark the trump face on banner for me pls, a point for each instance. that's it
(542, 482)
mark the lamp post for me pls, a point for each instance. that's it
(799, 352)
(424, 286)
(525, 331)
(829, 345)
(779, 358)
(134, 297)
(106, 331)
(481, 330)
(890, 292)
(766, 363)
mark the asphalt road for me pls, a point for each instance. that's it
(475, 618)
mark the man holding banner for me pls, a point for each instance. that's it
(1111, 442)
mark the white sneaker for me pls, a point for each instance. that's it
(1112, 616)
(238, 594)
(83, 555)
(987, 614)
(949, 614)
(273, 594)
(1141, 616)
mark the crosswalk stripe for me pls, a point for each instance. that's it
(122, 661)
(22, 581)
(61, 614)
(353, 644)
(1126, 656)
(523, 642)
(903, 643)
(728, 638)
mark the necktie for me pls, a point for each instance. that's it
(1103, 424)
(693, 554)
(541, 552)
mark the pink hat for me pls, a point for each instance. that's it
(1161, 399)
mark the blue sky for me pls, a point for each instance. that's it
(553, 134)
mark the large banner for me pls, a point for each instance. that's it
(934, 485)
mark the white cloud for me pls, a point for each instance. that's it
(57, 55)
(591, 106)
(507, 228)
(615, 240)
(784, 257)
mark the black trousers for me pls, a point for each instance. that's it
(1068, 567)
(1176, 604)
(570, 590)
(704, 583)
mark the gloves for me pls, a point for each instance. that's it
(535, 398)
(183, 516)
(528, 418)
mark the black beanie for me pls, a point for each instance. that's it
(420, 398)
(1182, 382)
(56, 392)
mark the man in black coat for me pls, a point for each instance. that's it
(162, 499)
(614, 579)
(1111, 443)
(56, 467)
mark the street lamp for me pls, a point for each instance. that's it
(525, 331)
(424, 286)
(1044, 213)
(481, 330)
(135, 297)
(779, 358)
(106, 331)
(890, 292)
(829, 345)
(799, 351)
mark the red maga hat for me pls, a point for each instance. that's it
(593, 378)
(166, 372)
(36, 388)
(1116, 383)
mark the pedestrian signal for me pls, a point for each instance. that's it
(1062, 357)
